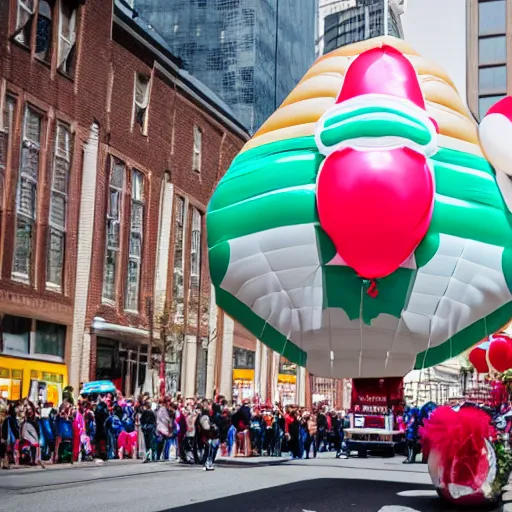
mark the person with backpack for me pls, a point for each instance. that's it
(164, 428)
(90, 426)
(256, 431)
(209, 432)
(113, 427)
(148, 428)
(101, 415)
(187, 449)
(30, 452)
(48, 424)
(127, 439)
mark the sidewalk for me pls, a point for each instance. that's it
(221, 461)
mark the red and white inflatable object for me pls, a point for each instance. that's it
(492, 355)
(461, 461)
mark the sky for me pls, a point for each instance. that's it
(437, 30)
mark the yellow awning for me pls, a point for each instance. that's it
(286, 379)
(240, 374)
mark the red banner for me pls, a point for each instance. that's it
(376, 396)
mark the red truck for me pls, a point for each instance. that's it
(375, 405)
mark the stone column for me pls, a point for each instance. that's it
(226, 376)
(83, 259)
(85, 369)
(309, 398)
(301, 386)
(163, 245)
(257, 369)
(190, 366)
(274, 393)
(263, 376)
(212, 347)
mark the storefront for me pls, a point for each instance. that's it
(32, 360)
(287, 382)
(243, 374)
(121, 356)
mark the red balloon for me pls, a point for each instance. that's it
(478, 358)
(500, 354)
(373, 219)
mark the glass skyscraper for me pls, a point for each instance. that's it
(343, 22)
(251, 53)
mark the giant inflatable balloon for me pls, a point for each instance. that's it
(462, 460)
(478, 357)
(363, 231)
(494, 354)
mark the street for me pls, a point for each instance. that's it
(321, 485)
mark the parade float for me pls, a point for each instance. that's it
(365, 230)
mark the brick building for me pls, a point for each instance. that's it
(51, 93)
(108, 154)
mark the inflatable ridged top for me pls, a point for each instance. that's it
(362, 232)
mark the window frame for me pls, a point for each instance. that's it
(196, 218)
(144, 105)
(16, 275)
(197, 150)
(72, 43)
(52, 6)
(131, 258)
(178, 300)
(18, 29)
(120, 217)
(31, 353)
(62, 230)
(5, 98)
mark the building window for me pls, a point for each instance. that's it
(67, 37)
(197, 154)
(44, 30)
(16, 335)
(492, 50)
(214, 60)
(50, 339)
(27, 21)
(492, 53)
(135, 246)
(58, 206)
(37, 16)
(195, 251)
(26, 195)
(243, 359)
(141, 101)
(113, 228)
(248, 17)
(195, 268)
(24, 18)
(178, 280)
(492, 80)
(492, 17)
(247, 74)
(26, 337)
(5, 137)
(486, 102)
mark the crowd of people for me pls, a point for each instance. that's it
(193, 431)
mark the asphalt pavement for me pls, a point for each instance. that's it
(245, 485)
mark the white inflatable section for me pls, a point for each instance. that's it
(277, 273)
(495, 134)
